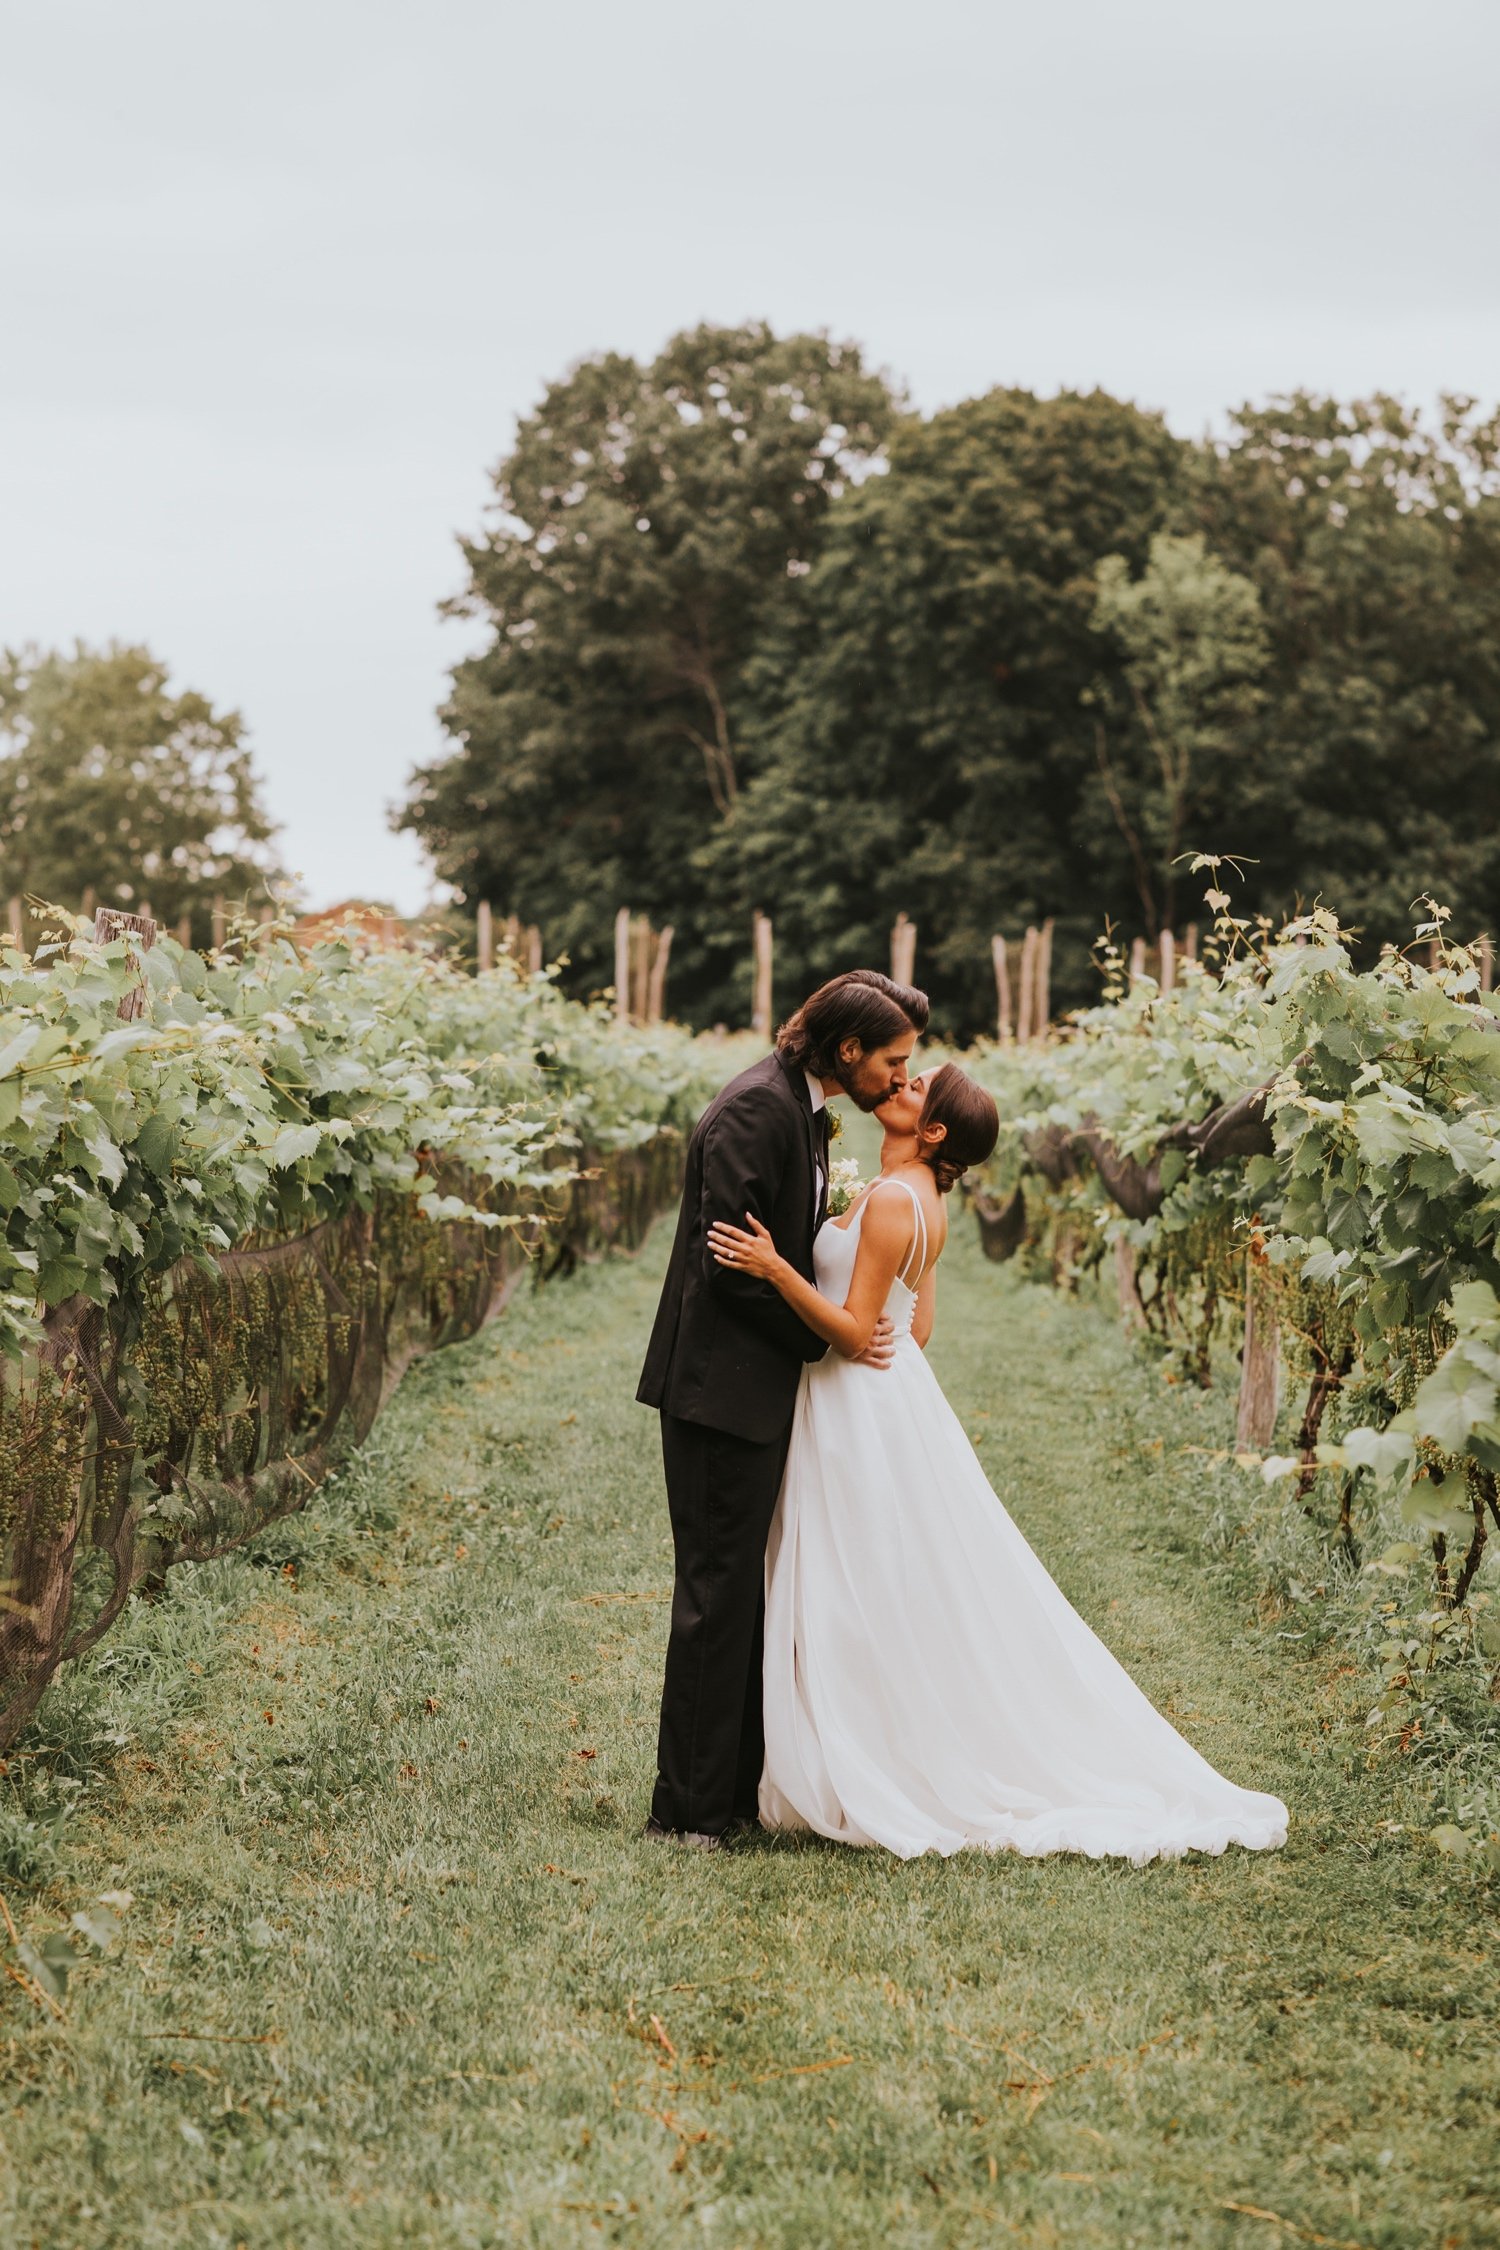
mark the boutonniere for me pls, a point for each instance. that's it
(835, 1124)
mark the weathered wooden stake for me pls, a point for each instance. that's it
(1137, 959)
(1260, 1363)
(640, 968)
(1026, 1006)
(1006, 1025)
(533, 950)
(218, 924)
(622, 965)
(1486, 964)
(1167, 956)
(484, 935)
(109, 923)
(185, 932)
(656, 995)
(15, 915)
(1190, 942)
(903, 950)
(760, 1012)
(1041, 1016)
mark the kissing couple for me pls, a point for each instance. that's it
(862, 1644)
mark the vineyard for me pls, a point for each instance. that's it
(234, 1217)
(1303, 1158)
(330, 1921)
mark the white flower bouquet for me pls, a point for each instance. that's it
(844, 1184)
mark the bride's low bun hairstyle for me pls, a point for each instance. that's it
(970, 1120)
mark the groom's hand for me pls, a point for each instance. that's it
(881, 1349)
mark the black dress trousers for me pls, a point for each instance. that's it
(721, 1495)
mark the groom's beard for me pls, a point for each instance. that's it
(868, 1099)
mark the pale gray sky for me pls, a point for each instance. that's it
(277, 279)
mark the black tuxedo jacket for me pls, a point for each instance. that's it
(726, 1351)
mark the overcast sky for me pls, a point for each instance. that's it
(276, 279)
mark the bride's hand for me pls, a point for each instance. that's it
(753, 1253)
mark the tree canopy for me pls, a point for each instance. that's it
(1370, 774)
(110, 783)
(762, 639)
(651, 524)
(921, 741)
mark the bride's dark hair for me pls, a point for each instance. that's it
(955, 1101)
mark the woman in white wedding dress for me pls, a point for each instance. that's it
(927, 1686)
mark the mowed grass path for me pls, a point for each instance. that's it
(399, 1970)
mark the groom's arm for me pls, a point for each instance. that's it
(744, 1156)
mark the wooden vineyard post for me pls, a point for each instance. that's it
(1486, 964)
(622, 965)
(760, 1010)
(1041, 1014)
(1167, 955)
(533, 950)
(656, 991)
(218, 925)
(1260, 1363)
(1132, 1311)
(109, 923)
(1025, 1008)
(1190, 942)
(903, 950)
(185, 932)
(640, 968)
(484, 935)
(15, 915)
(1006, 1026)
(1137, 959)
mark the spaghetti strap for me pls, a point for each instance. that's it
(918, 1250)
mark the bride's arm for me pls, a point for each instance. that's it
(884, 1240)
(926, 1308)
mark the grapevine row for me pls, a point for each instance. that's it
(227, 1224)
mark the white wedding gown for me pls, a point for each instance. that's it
(927, 1686)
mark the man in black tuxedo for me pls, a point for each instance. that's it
(723, 1366)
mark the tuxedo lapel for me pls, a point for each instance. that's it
(815, 1125)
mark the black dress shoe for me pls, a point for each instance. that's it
(695, 1838)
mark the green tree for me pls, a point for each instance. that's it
(1372, 776)
(651, 524)
(1194, 645)
(919, 727)
(110, 783)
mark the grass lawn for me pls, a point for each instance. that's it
(399, 1971)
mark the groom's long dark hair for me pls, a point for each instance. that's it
(862, 1005)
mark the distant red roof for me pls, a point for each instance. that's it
(376, 924)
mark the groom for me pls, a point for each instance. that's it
(723, 1365)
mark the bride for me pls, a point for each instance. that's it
(927, 1686)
